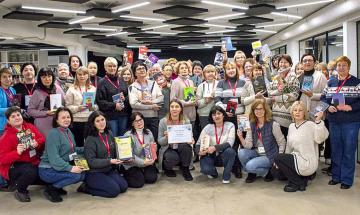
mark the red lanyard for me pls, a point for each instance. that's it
(216, 135)
(106, 144)
(112, 83)
(232, 88)
(259, 134)
(71, 143)
(342, 84)
(186, 82)
(8, 93)
(137, 137)
(30, 92)
(81, 89)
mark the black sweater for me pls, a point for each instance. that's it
(96, 154)
(104, 100)
(21, 89)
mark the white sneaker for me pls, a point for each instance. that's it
(210, 176)
(226, 181)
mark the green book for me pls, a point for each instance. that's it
(189, 94)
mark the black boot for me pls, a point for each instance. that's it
(83, 189)
(250, 178)
(237, 171)
(52, 194)
(170, 173)
(186, 173)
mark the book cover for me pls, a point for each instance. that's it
(25, 137)
(16, 100)
(143, 52)
(116, 99)
(205, 142)
(189, 94)
(226, 44)
(81, 162)
(308, 83)
(146, 95)
(259, 84)
(256, 45)
(338, 99)
(243, 122)
(55, 102)
(231, 107)
(150, 151)
(88, 99)
(124, 147)
(219, 58)
(321, 107)
(265, 51)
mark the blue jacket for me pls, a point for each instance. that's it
(4, 107)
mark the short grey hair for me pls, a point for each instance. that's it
(63, 65)
(110, 60)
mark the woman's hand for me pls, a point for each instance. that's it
(148, 162)
(81, 108)
(50, 112)
(115, 161)
(202, 152)
(20, 148)
(240, 134)
(332, 109)
(192, 142)
(344, 108)
(260, 95)
(76, 169)
(211, 149)
(208, 99)
(318, 116)
(156, 107)
(34, 144)
(165, 134)
(118, 107)
(308, 93)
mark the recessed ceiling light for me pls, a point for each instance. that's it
(120, 8)
(7, 38)
(51, 9)
(220, 26)
(158, 32)
(219, 32)
(98, 29)
(274, 25)
(155, 27)
(286, 15)
(224, 16)
(118, 33)
(83, 19)
(142, 18)
(224, 5)
(55, 49)
(305, 4)
(264, 31)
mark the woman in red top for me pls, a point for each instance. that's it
(20, 149)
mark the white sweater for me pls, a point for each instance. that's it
(302, 142)
(74, 99)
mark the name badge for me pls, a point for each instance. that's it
(32, 153)
(27, 100)
(175, 146)
(72, 156)
(261, 150)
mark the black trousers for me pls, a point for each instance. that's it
(152, 123)
(285, 131)
(78, 129)
(136, 177)
(327, 151)
(286, 164)
(182, 155)
(24, 174)
(237, 164)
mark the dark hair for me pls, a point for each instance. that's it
(91, 130)
(274, 59)
(12, 110)
(44, 72)
(71, 56)
(213, 110)
(56, 116)
(197, 63)
(181, 117)
(136, 65)
(132, 119)
(285, 57)
(307, 54)
(27, 64)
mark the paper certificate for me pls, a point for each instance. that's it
(179, 133)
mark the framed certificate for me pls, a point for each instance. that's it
(179, 133)
(124, 147)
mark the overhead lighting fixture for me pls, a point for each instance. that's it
(220, 26)
(156, 27)
(7, 38)
(224, 5)
(339, 35)
(305, 4)
(224, 16)
(55, 49)
(142, 18)
(84, 19)
(219, 32)
(195, 46)
(339, 45)
(158, 32)
(154, 50)
(264, 31)
(118, 33)
(98, 29)
(275, 25)
(52, 9)
(286, 15)
(134, 46)
(120, 8)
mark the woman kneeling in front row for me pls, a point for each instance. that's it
(262, 143)
(300, 160)
(102, 179)
(218, 151)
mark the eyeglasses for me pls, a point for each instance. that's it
(308, 61)
(140, 68)
(138, 120)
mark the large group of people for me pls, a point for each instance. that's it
(39, 143)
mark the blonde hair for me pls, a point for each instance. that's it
(123, 70)
(239, 53)
(230, 66)
(268, 113)
(209, 68)
(171, 59)
(110, 60)
(82, 69)
(302, 105)
(343, 59)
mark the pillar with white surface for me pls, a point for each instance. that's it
(80, 51)
(349, 45)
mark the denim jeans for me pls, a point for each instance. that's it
(252, 162)
(119, 126)
(343, 140)
(3, 182)
(226, 159)
(60, 179)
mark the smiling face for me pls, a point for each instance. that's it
(63, 72)
(100, 123)
(111, 68)
(342, 67)
(140, 72)
(167, 71)
(259, 111)
(28, 72)
(138, 122)
(210, 75)
(6, 80)
(46, 80)
(175, 110)
(82, 77)
(126, 76)
(240, 59)
(298, 113)
(197, 71)
(230, 71)
(64, 119)
(218, 117)
(92, 68)
(74, 63)
(257, 72)
(15, 120)
(284, 64)
(308, 63)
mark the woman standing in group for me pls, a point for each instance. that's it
(74, 63)
(93, 70)
(197, 72)
(7, 94)
(56, 166)
(126, 75)
(74, 100)
(39, 105)
(171, 155)
(142, 169)
(103, 178)
(344, 122)
(239, 60)
(263, 142)
(167, 71)
(300, 160)
(64, 79)
(112, 98)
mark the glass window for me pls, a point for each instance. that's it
(335, 46)
(282, 50)
(320, 48)
(306, 46)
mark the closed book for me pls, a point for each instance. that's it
(150, 151)
(116, 99)
(25, 137)
(16, 100)
(259, 84)
(219, 58)
(231, 107)
(226, 44)
(338, 99)
(88, 99)
(81, 162)
(321, 107)
(243, 122)
(55, 102)
(124, 147)
(205, 142)
(189, 94)
(308, 83)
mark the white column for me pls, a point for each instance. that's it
(80, 51)
(292, 49)
(349, 46)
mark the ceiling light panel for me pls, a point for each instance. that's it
(51, 9)
(305, 4)
(122, 8)
(225, 5)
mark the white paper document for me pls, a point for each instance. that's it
(179, 133)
